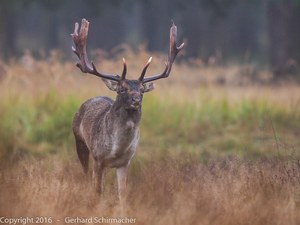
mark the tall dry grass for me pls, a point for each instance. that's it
(216, 147)
(168, 191)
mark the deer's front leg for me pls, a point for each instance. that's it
(122, 176)
(98, 177)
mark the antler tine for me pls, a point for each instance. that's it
(173, 51)
(79, 49)
(145, 69)
(124, 70)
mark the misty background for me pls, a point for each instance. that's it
(264, 32)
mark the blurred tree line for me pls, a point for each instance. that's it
(264, 31)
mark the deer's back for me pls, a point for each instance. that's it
(90, 116)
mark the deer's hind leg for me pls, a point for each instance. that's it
(83, 154)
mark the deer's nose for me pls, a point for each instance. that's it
(136, 99)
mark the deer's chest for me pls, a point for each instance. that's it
(124, 140)
(121, 146)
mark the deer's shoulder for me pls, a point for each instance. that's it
(91, 109)
(99, 103)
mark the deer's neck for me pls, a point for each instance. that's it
(122, 125)
(124, 118)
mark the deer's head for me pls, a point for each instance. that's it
(130, 92)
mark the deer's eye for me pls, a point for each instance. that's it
(122, 91)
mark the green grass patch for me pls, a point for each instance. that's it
(41, 125)
(36, 126)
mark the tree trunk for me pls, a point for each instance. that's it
(52, 39)
(7, 30)
(283, 34)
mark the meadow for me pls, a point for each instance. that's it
(219, 144)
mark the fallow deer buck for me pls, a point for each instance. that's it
(107, 129)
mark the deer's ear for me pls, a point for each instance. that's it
(112, 85)
(148, 87)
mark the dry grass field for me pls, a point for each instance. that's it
(216, 146)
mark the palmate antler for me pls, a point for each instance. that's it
(85, 66)
(173, 51)
(79, 49)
